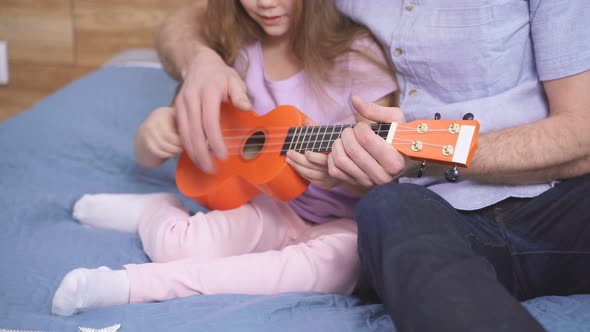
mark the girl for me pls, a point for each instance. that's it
(303, 53)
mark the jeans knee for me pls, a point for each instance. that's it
(396, 208)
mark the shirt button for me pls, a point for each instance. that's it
(398, 52)
(413, 93)
(410, 6)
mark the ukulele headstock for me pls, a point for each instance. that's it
(451, 142)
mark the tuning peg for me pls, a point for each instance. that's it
(423, 164)
(468, 116)
(422, 169)
(452, 174)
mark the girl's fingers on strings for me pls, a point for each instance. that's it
(318, 177)
(312, 175)
(302, 160)
(300, 169)
(320, 159)
(297, 160)
(295, 156)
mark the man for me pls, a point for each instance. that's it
(449, 255)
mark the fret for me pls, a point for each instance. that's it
(381, 129)
(314, 137)
(307, 138)
(300, 139)
(304, 139)
(297, 138)
(321, 138)
(335, 134)
(288, 145)
(328, 138)
(324, 144)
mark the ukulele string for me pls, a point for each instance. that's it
(272, 146)
(306, 134)
(310, 134)
(318, 126)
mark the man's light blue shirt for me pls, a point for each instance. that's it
(485, 57)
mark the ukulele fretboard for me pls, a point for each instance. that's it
(321, 138)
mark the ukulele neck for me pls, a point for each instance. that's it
(321, 138)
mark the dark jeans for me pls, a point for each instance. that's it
(439, 269)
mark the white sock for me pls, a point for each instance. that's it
(117, 211)
(82, 289)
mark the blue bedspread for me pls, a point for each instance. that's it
(80, 140)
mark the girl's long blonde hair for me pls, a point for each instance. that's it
(322, 35)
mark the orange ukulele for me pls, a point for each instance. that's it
(257, 146)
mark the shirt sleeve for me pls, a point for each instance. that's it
(561, 37)
(370, 80)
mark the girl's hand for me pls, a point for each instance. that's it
(313, 166)
(157, 139)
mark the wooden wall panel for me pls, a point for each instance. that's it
(52, 42)
(38, 31)
(105, 27)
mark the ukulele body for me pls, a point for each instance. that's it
(254, 164)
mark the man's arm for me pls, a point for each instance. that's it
(207, 82)
(557, 147)
(554, 148)
(179, 40)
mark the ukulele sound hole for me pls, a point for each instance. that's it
(253, 145)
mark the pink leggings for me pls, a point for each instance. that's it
(262, 247)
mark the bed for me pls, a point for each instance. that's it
(79, 140)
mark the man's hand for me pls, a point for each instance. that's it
(208, 82)
(362, 158)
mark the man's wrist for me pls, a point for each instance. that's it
(194, 52)
(198, 51)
